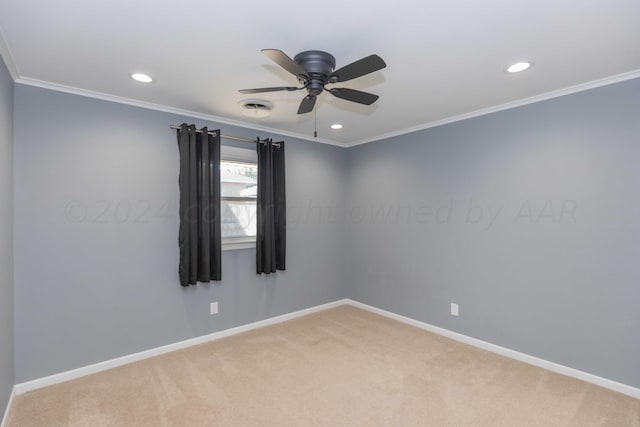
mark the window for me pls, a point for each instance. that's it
(239, 190)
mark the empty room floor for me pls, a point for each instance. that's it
(339, 367)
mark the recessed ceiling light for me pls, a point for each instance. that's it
(518, 67)
(143, 78)
(336, 126)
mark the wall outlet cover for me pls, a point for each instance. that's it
(454, 309)
(213, 308)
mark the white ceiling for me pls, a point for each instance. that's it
(444, 58)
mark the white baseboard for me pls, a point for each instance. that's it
(512, 354)
(6, 411)
(124, 360)
(113, 363)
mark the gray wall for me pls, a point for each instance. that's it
(564, 288)
(91, 287)
(527, 218)
(6, 237)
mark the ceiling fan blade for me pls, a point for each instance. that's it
(354, 95)
(281, 58)
(356, 69)
(307, 104)
(269, 89)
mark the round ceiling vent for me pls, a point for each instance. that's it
(256, 108)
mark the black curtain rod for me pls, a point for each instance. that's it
(235, 138)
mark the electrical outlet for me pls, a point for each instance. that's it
(454, 309)
(213, 309)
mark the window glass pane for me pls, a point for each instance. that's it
(238, 219)
(238, 179)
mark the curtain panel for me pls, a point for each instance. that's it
(199, 238)
(271, 238)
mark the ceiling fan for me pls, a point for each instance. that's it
(315, 69)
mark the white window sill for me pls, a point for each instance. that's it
(232, 246)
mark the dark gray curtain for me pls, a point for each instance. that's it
(199, 238)
(271, 238)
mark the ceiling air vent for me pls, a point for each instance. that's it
(256, 108)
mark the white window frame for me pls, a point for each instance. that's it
(240, 155)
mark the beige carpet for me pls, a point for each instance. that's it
(340, 367)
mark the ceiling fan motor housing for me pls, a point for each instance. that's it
(314, 69)
(319, 65)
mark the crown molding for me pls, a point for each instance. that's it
(164, 108)
(5, 53)
(459, 117)
(506, 106)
